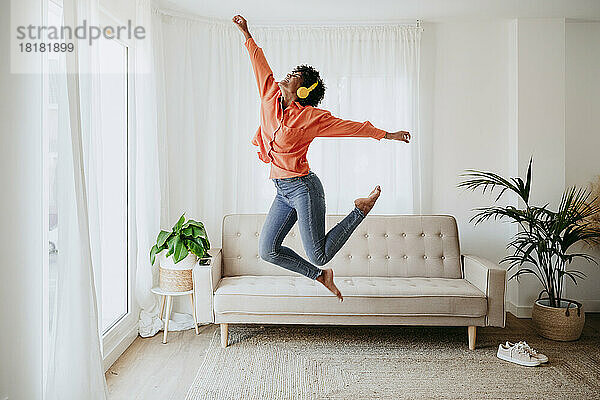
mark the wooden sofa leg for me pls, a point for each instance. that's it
(224, 334)
(472, 337)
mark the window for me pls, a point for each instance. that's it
(113, 199)
(109, 164)
(51, 86)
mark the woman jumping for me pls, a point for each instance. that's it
(289, 122)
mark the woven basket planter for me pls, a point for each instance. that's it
(562, 324)
(172, 280)
(176, 277)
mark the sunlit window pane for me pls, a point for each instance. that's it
(113, 199)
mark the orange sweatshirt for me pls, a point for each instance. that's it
(283, 136)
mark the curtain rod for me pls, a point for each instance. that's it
(219, 21)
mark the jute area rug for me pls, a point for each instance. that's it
(390, 362)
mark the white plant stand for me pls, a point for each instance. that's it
(169, 300)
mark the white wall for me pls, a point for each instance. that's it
(121, 10)
(21, 234)
(582, 144)
(465, 110)
(540, 121)
(558, 99)
(495, 92)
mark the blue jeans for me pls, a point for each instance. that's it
(302, 199)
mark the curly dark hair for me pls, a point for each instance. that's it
(310, 76)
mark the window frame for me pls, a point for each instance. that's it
(124, 331)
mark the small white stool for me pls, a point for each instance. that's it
(169, 297)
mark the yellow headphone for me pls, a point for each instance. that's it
(303, 92)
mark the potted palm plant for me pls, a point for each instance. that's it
(185, 245)
(543, 247)
(595, 188)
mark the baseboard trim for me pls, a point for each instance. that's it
(525, 311)
(131, 332)
(519, 311)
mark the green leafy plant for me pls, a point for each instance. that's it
(185, 237)
(542, 245)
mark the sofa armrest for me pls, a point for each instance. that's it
(488, 277)
(206, 278)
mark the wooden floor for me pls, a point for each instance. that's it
(150, 369)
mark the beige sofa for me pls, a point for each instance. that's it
(394, 270)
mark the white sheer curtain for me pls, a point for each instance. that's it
(151, 171)
(206, 111)
(75, 369)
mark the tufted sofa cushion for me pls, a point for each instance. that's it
(381, 246)
(362, 296)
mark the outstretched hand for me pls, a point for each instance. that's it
(400, 135)
(242, 24)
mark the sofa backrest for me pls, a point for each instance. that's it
(382, 245)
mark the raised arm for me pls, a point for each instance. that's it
(262, 71)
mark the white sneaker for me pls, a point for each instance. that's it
(517, 354)
(541, 357)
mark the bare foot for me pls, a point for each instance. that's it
(365, 204)
(326, 278)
